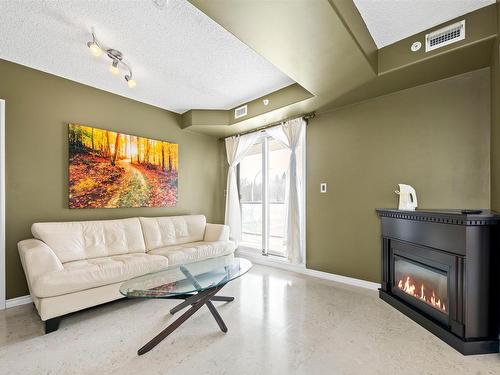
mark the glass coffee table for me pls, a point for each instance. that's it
(196, 283)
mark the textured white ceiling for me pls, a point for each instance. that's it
(392, 20)
(181, 59)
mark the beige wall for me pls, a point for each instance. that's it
(434, 137)
(495, 120)
(38, 108)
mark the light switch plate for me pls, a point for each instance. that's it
(322, 187)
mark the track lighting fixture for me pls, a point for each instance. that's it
(96, 48)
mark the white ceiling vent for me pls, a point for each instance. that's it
(240, 111)
(447, 35)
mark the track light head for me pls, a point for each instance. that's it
(94, 49)
(113, 68)
(130, 82)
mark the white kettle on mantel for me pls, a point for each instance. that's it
(407, 197)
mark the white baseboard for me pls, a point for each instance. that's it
(24, 300)
(285, 265)
(343, 279)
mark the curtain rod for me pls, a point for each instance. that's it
(306, 117)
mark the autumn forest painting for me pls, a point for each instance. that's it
(111, 170)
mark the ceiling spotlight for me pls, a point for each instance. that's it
(130, 82)
(266, 101)
(113, 68)
(96, 48)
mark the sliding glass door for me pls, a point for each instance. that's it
(250, 178)
(262, 186)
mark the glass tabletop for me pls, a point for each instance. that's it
(186, 278)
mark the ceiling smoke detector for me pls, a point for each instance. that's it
(160, 4)
(416, 46)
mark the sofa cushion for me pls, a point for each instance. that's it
(80, 240)
(194, 251)
(85, 274)
(172, 230)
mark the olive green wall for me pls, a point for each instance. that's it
(435, 137)
(38, 108)
(495, 120)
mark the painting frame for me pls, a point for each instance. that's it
(112, 169)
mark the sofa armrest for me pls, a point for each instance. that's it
(216, 232)
(37, 259)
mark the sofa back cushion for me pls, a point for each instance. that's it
(172, 230)
(79, 240)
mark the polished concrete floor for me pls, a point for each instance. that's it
(280, 323)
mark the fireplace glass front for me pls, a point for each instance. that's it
(421, 282)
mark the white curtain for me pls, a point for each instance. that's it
(236, 149)
(291, 135)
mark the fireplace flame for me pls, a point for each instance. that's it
(409, 287)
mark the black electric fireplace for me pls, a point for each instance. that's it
(440, 268)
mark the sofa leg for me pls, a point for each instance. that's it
(52, 325)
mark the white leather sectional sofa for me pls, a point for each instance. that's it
(70, 266)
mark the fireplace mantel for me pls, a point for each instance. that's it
(486, 217)
(463, 249)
